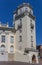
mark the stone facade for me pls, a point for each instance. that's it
(25, 35)
(39, 48)
(6, 43)
(18, 43)
(10, 57)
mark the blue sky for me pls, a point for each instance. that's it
(8, 6)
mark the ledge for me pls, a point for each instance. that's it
(23, 14)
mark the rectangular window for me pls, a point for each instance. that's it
(12, 39)
(26, 10)
(20, 39)
(20, 11)
(31, 38)
(31, 41)
(21, 21)
(3, 39)
(20, 30)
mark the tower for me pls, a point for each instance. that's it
(25, 35)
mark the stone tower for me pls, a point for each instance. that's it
(25, 37)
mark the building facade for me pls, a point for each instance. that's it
(18, 43)
(6, 43)
(25, 34)
(39, 48)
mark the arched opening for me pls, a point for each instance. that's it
(2, 47)
(33, 59)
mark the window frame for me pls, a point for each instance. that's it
(31, 41)
(3, 38)
(20, 38)
(12, 49)
(2, 47)
(11, 39)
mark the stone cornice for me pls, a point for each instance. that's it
(23, 14)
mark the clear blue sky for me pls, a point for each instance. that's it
(8, 6)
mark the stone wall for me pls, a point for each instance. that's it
(10, 57)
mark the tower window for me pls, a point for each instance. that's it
(31, 38)
(20, 11)
(20, 25)
(31, 30)
(26, 50)
(32, 44)
(20, 19)
(20, 38)
(12, 39)
(31, 41)
(2, 53)
(21, 22)
(31, 12)
(20, 30)
(3, 39)
(32, 26)
(26, 10)
(31, 20)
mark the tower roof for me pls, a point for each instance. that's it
(24, 4)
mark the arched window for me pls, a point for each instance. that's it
(2, 47)
(11, 48)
